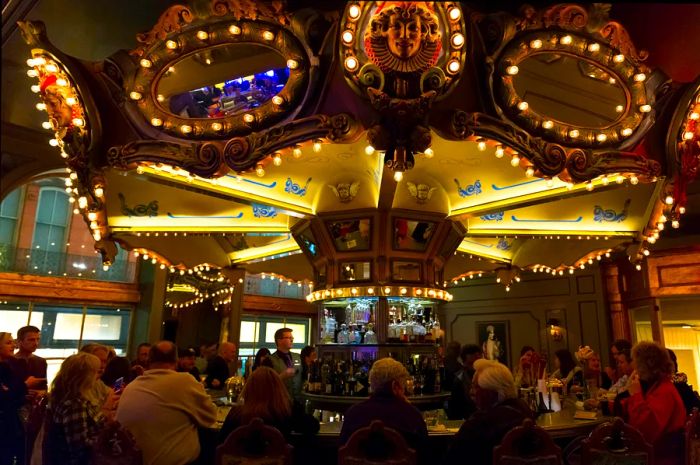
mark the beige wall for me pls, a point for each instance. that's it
(576, 301)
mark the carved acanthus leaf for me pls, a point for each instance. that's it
(252, 10)
(172, 20)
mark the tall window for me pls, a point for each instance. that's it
(50, 228)
(9, 212)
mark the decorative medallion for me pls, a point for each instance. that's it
(345, 191)
(421, 192)
(493, 216)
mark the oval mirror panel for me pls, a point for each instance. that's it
(570, 90)
(222, 81)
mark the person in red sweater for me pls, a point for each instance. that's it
(654, 406)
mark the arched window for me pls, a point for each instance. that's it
(52, 219)
(9, 212)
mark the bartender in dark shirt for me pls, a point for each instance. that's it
(288, 364)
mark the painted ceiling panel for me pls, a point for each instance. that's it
(497, 248)
(622, 209)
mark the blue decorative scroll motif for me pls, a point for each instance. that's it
(524, 220)
(150, 209)
(232, 217)
(296, 189)
(498, 216)
(611, 215)
(497, 188)
(238, 178)
(263, 211)
(503, 244)
(471, 189)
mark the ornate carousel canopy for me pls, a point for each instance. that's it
(381, 143)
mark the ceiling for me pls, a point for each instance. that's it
(244, 219)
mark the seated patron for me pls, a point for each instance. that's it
(689, 397)
(567, 370)
(76, 411)
(654, 406)
(163, 409)
(592, 373)
(389, 404)
(218, 368)
(185, 362)
(265, 395)
(525, 373)
(498, 411)
(620, 351)
(142, 355)
(460, 405)
(262, 358)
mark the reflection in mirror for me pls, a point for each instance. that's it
(308, 240)
(350, 235)
(405, 271)
(570, 90)
(222, 81)
(412, 235)
(355, 271)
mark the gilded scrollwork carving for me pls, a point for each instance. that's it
(172, 20)
(202, 159)
(250, 9)
(583, 165)
(242, 153)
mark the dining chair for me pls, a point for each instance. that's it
(615, 442)
(376, 445)
(692, 438)
(116, 446)
(255, 443)
(527, 444)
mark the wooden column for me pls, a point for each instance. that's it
(381, 318)
(657, 324)
(235, 310)
(619, 318)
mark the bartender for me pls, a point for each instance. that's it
(288, 364)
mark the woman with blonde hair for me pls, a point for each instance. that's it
(654, 406)
(76, 411)
(265, 396)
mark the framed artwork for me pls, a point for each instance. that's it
(411, 234)
(350, 235)
(405, 270)
(494, 337)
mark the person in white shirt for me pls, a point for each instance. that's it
(163, 409)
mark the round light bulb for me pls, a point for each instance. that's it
(53, 142)
(233, 29)
(512, 70)
(348, 37)
(499, 151)
(522, 106)
(369, 150)
(574, 133)
(41, 106)
(202, 35)
(626, 132)
(46, 125)
(398, 176)
(260, 171)
(171, 44)
(99, 192)
(619, 58)
(296, 152)
(640, 77)
(530, 172)
(634, 180)
(135, 95)
(601, 137)
(688, 135)
(566, 40)
(675, 224)
(268, 35)
(36, 88)
(537, 43)
(515, 161)
(594, 47)
(248, 118)
(277, 159)
(292, 64)
(481, 145)
(454, 13)
(156, 122)
(277, 100)
(429, 153)
(216, 126)
(645, 108)
(457, 40)
(32, 73)
(354, 12)
(79, 122)
(351, 63)
(145, 63)
(669, 200)
(548, 124)
(316, 146)
(186, 129)
(453, 66)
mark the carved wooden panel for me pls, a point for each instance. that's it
(675, 274)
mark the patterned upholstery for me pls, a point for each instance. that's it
(254, 444)
(376, 445)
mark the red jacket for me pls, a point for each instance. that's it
(659, 415)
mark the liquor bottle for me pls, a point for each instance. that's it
(326, 378)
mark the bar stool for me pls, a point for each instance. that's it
(525, 445)
(376, 445)
(253, 444)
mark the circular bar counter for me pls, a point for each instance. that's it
(341, 403)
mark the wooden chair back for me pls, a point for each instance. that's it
(692, 438)
(616, 443)
(376, 445)
(527, 444)
(35, 420)
(254, 444)
(116, 446)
